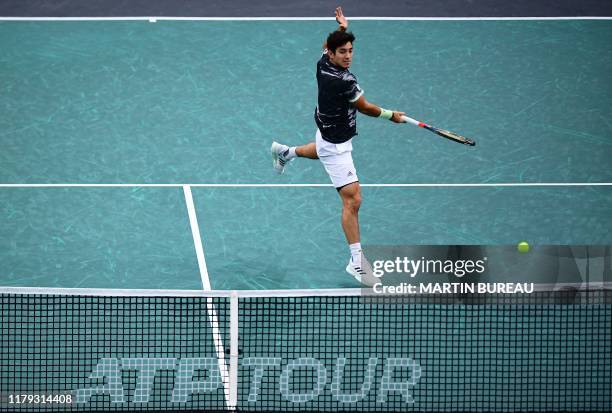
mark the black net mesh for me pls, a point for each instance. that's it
(516, 352)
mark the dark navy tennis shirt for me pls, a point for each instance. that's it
(338, 88)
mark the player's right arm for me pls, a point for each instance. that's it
(370, 109)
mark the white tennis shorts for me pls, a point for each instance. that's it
(337, 160)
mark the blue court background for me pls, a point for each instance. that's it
(200, 102)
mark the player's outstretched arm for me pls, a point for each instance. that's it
(370, 109)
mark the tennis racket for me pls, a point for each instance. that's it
(444, 133)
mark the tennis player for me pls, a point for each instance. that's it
(340, 97)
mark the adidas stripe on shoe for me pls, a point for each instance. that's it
(279, 153)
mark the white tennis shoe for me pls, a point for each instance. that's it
(279, 153)
(363, 273)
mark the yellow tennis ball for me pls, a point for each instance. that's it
(523, 246)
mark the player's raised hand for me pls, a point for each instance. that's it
(341, 19)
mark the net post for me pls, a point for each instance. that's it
(233, 362)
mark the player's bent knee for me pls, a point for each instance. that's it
(356, 201)
(352, 202)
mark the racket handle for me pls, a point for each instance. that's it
(410, 120)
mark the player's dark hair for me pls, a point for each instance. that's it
(339, 38)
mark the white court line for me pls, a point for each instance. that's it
(210, 307)
(159, 18)
(430, 185)
(197, 240)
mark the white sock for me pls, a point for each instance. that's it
(290, 153)
(356, 253)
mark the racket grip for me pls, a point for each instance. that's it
(410, 120)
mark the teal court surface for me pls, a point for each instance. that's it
(135, 155)
(199, 102)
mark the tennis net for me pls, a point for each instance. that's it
(330, 350)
